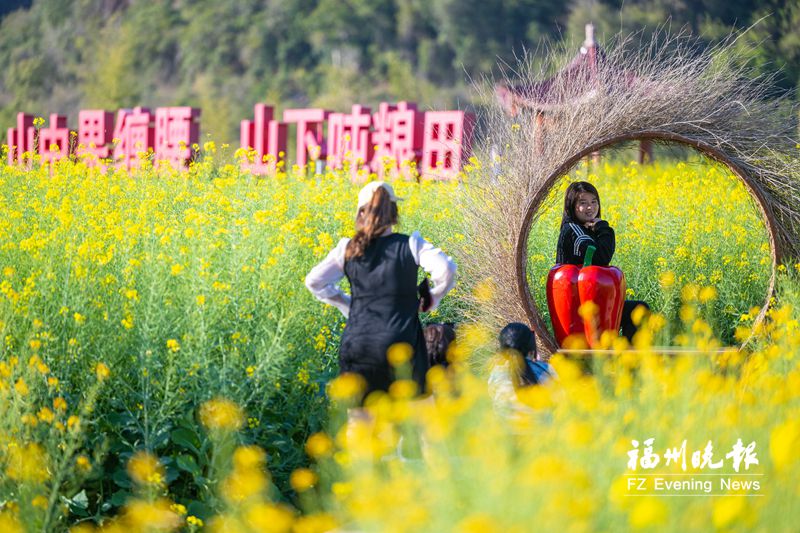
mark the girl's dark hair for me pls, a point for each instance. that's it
(372, 221)
(519, 338)
(437, 339)
(571, 198)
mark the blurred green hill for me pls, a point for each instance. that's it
(225, 55)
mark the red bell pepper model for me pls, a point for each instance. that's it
(563, 301)
(570, 286)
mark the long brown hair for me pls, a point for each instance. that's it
(372, 221)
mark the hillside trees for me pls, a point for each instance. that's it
(225, 55)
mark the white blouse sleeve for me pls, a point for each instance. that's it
(323, 279)
(435, 262)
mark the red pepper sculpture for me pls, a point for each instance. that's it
(563, 301)
(570, 286)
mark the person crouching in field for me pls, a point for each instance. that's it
(383, 307)
(518, 365)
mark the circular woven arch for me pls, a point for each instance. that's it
(669, 89)
(546, 340)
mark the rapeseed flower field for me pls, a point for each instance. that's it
(162, 367)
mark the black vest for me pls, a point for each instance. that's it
(384, 309)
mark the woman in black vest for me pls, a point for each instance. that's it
(383, 308)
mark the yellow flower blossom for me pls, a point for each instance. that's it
(221, 414)
(784, 444)
(102, 371)
(45, 415)
(319, 445)
(21, 387)
(302, 479)
(59, 404)
(145, 469)
(346, 387)
(270, 518)
(399, 353)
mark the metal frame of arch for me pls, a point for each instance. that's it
(532, 208)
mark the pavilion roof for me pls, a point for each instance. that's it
(552, 92)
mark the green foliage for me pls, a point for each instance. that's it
(60, 55)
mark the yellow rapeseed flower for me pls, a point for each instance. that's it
(27, 463)
(399, 354)
(319, 445)
(45, 415)
(21, 387)
(403, 389)
(647, 512)
(479, 523)
(727, 511)
(588, 310)
(73, 422)
(178, 508)
(666, 279)
(784, 444)
(302, 479)
(221, 414)
(315, 523)
(270, 518)
(9, 523)
(249, 457)
(102, 371)
(242, 485)
(143, 515)
(145, 469)
(347, 386)
(83, 463)
(40, 501)
(707, 294)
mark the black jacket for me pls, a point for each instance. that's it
(574, 239)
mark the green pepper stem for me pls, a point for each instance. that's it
(587, 259)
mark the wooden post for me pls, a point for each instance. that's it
(645, 152)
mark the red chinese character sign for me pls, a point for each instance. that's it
(396, 141)
(397, 137)
(266, 137)
(446, 142)
(18, 140)
(310, 133)
(349, 139)
(95, 135)
(177, 130)
(134, 133)
(55, 141)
